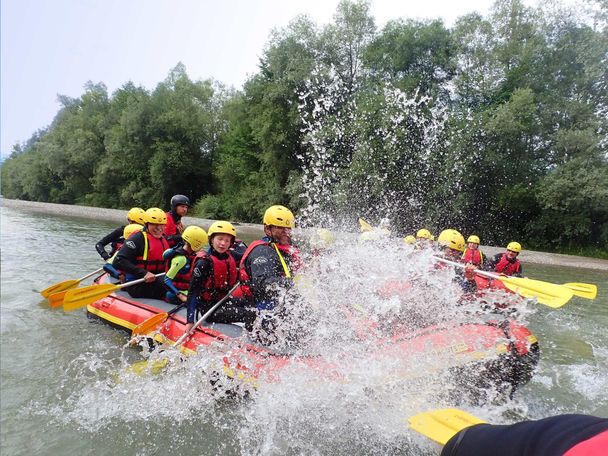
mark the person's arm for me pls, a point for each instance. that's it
(114, 236)
(200, 274)
(127, 255)
(177, 263)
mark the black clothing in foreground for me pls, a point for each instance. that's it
(266, 275)
(113, 238)
(551, 436)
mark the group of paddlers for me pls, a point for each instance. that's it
(201, 268)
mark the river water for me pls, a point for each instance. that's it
(65, 391)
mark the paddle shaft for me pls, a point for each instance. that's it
(461, 265)
(91, 274)
(207, 314)
(135, 282)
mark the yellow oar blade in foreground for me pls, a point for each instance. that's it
(58, 287)
(584, 290)
(442, 425)
(549, 294)
(80, 297)
(365, 226)
(150, 324)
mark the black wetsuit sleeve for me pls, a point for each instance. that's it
(114, 237)
(266, 273)
(546, 437)
(126, 258)
(203, 268)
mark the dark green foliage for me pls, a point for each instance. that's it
(495, 126)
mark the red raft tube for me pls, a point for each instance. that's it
(498, 353)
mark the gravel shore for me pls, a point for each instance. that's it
(250, 229)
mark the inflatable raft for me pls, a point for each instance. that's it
(501, 352)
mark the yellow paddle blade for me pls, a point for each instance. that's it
(61, 286)
(80, 297)
(150, 324)
(549, 294)
(442, 425)
(584, 290)
(56, 299)
(365, 226)
(146, 366)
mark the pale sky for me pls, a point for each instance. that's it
(52, 47)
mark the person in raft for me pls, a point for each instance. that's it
(214, 274)
(451, 243)
(116, 238)
(507, 263)
(472, 254)
(567, 435)
(174, 227)
(268, 265)
(424, 238)
(109, 266)
(180, 263)
(141, 256)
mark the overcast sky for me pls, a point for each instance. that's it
(52, 47)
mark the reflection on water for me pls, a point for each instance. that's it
(65, 388)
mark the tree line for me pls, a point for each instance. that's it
(496, 126)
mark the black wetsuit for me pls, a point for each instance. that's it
(126, 260)
(551, 436)
(113, 238)
(267, 278)
(232, 310)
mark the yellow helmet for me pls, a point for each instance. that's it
(221, 227)
(473, 238)
(279, 216)
(322, 239)
(136, 215)
(514, 246)
(425, 234)
(196, 237)
(130, 229)
(409, 239)
(452, 239)
(156, 216)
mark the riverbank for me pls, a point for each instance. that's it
(253, 230)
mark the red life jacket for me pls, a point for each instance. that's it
(170, 227)
(291, 251)
(152, 258)
(182, 280)
(504, 266)
(473, 256)
(593, 446)
(222, 279)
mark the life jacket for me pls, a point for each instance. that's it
(152, 258)
(504, 266)
(473, 256)
(181, 281)
(244, 290)
(222, 279)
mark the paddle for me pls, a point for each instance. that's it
(584, 290)
(365, 226)
(66, 284)
(154, 321)
(546, 293)
(80, 297)
(442, 425)
(206, 315)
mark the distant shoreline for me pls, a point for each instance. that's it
(251, 229)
